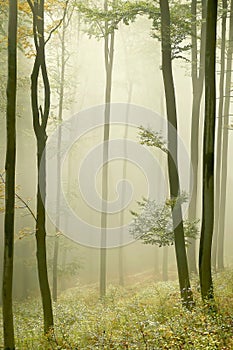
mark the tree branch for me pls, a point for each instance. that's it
(21, 200)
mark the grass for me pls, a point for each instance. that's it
(148, 316)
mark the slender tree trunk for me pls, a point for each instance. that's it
(165, 264)
(208, 156)
(164, 250)
(181, 258)
(41, 238)
(40, 118)
(8, 322)
(121, 255)
(63, 264)
(197, 83)
(60, 112)
(223, 190)
(55, 263)
(109, 52)
(219, 137)
(156, 261)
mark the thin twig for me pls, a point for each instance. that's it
(21, 200)
(58, 25)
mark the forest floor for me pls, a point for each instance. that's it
(143, 316)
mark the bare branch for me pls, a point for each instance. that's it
(59, 23)
(21, 200)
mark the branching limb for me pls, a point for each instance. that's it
(21, 199)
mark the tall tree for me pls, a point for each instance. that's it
(208, 156)
(122, 214)
(103, 25)
(197, 69)
(108, 55)
(181, 258)
(61, 94)
(8, 323)
(224, 166)
(40, 119)
(219, 134)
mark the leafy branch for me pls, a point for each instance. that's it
(153, 224)
(127, 12)
(152, 138)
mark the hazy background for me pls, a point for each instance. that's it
(137, 61)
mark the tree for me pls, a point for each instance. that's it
(219, 135)
(102, 25)
(181, 258)
(8, 323)
(224, 165)
(124, 174)
(206, 282)
(197, 69)
(40, 118)
(61, 94)
(108, 54)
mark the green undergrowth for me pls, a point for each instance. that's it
(143, 316)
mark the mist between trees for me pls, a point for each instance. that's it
(115, 149)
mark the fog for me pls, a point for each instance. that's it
(136, 80)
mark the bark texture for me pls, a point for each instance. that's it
(109, 54)
(181, 258)
(8, 322)
(40, 118)
(208, 156)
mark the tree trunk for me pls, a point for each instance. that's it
(121, 255)
(41, 238)
(55, 263)
(8, 322)
(197, 84)
(40, 118)
(222, 205)
(60, 112)
(165, 264)
(219, 137)
(108, 51)
(156, 261)
(208, 156)
(181, 258)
